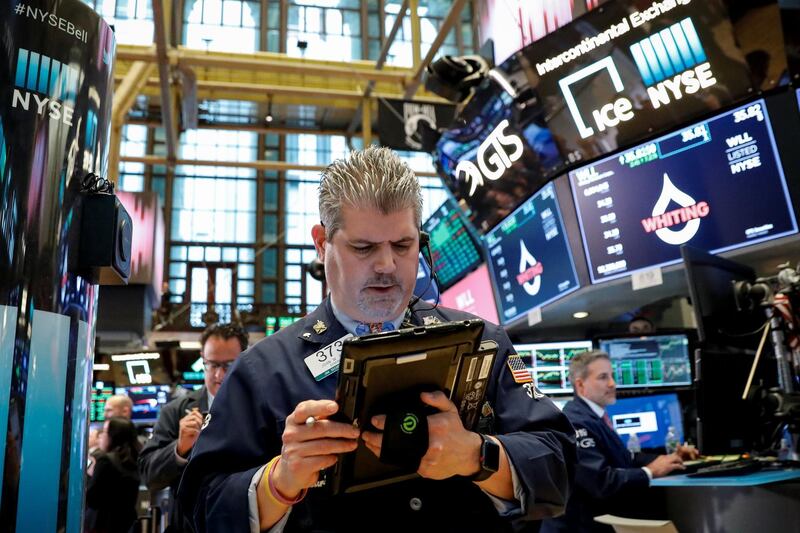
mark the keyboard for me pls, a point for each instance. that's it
(739, 467)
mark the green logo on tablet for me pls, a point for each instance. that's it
(409, 424)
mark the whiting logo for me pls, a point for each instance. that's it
(38, 74)
(689, 213)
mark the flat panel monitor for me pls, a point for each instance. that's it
(549, 363)
(147, 400)
(703, 185)
(473, 294)
(454, 251)
(649, 417)
(139, 368)
(619, 73)
(498, 157)
(100, 393)
(645, 361)
(720, 321)
(529, 257)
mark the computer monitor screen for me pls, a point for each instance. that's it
(700, 185)
(549, 363)
(100, 393)
(650, 417)
(454, 251)
(473, 294)
(650, 360)
(529, 257)
(720, 321)
(147, 400)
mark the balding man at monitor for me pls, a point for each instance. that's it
(608, 477)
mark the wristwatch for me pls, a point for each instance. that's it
(489, 459)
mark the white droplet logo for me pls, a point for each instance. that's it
(671, 193)
(526, 261)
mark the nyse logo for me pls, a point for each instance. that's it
(608, 115)
(45, 85)
(494, 166)
(672, 63)
(530, 271)
(689, 214)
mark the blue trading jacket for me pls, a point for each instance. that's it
(270, 379)
(606, 476)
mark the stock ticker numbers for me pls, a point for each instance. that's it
(695, 186)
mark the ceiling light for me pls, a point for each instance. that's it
(580, 314)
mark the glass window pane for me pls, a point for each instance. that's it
(222, 289)
(199, 285)
(177, 270)
(268, 293)
(269, 263)
(293, 256)
(293, 288)
(293, 271)
(245, 287)
(246, 271)
(213, 253)
(178, 252)
(230, 254)
(196, 253)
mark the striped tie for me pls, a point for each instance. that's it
(375, 327)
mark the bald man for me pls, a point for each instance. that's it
(118, 405)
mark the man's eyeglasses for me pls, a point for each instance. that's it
(212, 366)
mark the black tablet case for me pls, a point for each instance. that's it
(376, 368)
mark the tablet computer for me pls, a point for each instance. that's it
(376, 370)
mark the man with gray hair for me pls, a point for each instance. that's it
(608, 477)
(259, 463)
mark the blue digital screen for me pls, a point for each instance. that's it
(147, 400)
(529, 257)
(703, 185)
(649, 417)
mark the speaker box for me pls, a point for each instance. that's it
(105, 239)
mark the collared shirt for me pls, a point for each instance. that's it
(599, 411)
(350, 325)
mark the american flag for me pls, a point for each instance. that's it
(520, 372)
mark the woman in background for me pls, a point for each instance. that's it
(114, 485)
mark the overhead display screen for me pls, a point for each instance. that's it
(704, 185)
(529, 257)
(626, 69)
(498, 157)
(455, 253)
(473, 294)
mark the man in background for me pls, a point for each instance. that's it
(641, 324)
(164, 456)
(118, 405)
(608, 478)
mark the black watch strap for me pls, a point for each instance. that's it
(489, 459)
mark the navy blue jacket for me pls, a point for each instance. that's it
(606, 477)
(269, 380)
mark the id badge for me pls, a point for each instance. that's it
(325, 361)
